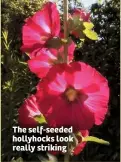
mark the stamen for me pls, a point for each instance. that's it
(71, 94)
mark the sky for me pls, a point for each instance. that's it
(87, 3)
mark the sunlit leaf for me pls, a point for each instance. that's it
(5, 35)
(88, 25)
(95, 139)
(90, 34)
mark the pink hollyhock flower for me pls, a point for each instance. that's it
(41, 28)
(73, 95)
(81, 144)
(84, 16)
(28, 111)
(46, 58)
(75, 22)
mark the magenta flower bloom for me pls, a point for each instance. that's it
(84, 16)
(41, 28)
(27, 112)
(73, 95)
(46, 58)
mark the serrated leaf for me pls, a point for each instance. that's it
(88, 25)
(90, 34)
(40, 119)
(95, 139)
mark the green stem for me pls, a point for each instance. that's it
(65, 30)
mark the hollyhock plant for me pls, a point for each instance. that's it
(28, 113)
(75, 95)
(69, 93)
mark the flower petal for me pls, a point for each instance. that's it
(40, 68)
(40, 27)
(61, 113)
(27, 111)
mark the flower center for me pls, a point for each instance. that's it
(71, 94)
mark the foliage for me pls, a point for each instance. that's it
(18, 82)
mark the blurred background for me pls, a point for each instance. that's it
(18, 82)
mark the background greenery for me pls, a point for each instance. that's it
(18, 82)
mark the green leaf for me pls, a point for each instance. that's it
(88, 25)
(95, 139)
(5, 35)
(40, 119)
(90, 34)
